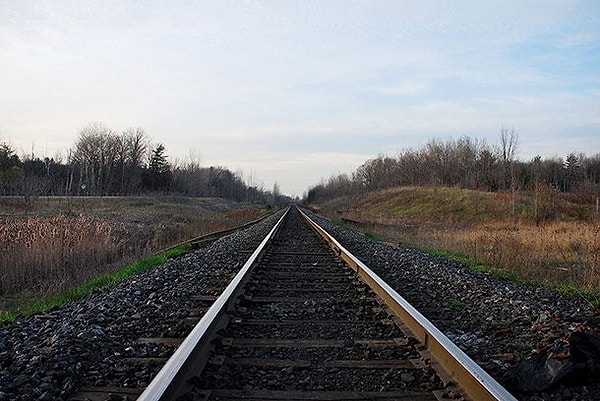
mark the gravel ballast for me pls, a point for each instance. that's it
(51, 356)
(497, 322)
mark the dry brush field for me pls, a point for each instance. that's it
(52, 243)
(550, 239)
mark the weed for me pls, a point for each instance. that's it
(375, 237)
(458, 304)
(53, 257)
(595, 303)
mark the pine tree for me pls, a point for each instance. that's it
(158, 174)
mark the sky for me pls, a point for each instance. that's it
(294, 92)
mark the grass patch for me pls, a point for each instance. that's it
(595, 303)
(458, 304)
(476, 265)
(375, 237)
(102, 281)
(349, 225)
(343, 224)
(449, 255)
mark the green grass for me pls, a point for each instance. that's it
(427, 205)
(458, 304)
(100, 282)
(595, 303)
(376, 237)
(370, 235)
(475, 265)
(343, 224)
(424, 204)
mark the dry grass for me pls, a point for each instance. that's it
(560, 253)
(39, 252)
(497, 230)
(44, 248)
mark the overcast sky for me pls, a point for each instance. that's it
(296, 91)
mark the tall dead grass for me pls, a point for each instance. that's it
(46, 253)
(562, 253)
(542, 237)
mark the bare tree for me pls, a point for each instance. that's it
(87, 155)
(134, 143)
(109, 163)
(508, 144)
(381, 172)
(508, 147)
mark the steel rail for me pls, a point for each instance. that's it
(215, 235)
(212, 236)
(190, 355)
(476, 382)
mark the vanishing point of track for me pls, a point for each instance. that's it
(305, 320)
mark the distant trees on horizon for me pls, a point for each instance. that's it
(105, 162)
(467, 163)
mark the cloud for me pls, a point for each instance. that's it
(268, 85)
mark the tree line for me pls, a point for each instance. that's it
(106, 162)
(467, 163)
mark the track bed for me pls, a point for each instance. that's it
(306, 327)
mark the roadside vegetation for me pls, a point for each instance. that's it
(52, 249)
(469, 225)
(44, 303)
(113, 198)
(536, 221)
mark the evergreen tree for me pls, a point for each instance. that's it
(573, 172)
(10, 170)
(158, 174)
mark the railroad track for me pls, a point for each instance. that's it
(296, 323)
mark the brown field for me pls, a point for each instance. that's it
(54, 243)
(549, 239)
